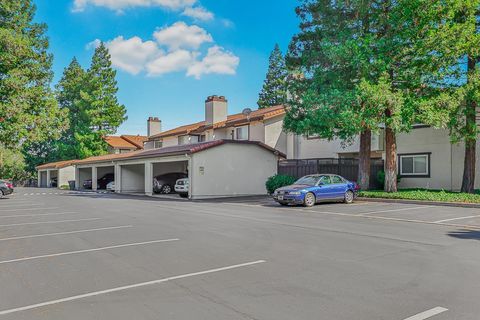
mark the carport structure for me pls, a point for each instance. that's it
(220, 168)
(63, 171)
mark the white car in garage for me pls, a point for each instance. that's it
(182, 186)
(111, 186)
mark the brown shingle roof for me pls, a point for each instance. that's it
(126, 141)
(173, 150)
(56, 165)
(232, 120)
(137, 140)
(108, 157)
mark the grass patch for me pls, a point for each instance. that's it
(425, 195)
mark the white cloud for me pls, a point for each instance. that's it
(169, 54)
(171, 62)
(216, 61)
(227, 23)
(131, 54)
(93, 44)
(118, 5)
(181, 35)
(198, 13)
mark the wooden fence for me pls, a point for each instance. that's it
(345, 167)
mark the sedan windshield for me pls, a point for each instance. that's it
(309, 180)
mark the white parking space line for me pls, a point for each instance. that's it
(428, 314)
(35, 215)
(132, 286)
(20, 205)
(459, 218)
(87, 250)
(63, 233)
(47, 222)
(395, 210)
(26, 209)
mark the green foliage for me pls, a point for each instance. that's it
(425, 195)
(366, 64)
(274, 90)
(381, 178)
(93, 108)
(278, 181)
(28, 110)
(12, 165)
(65, 187)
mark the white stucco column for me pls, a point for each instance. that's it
(48, 178)
(39, 178)
(118, 178)
(94, 178)
(148, 178)
(77, 178)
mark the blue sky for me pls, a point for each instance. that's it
(172, 54)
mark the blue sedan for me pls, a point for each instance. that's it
(315, 188)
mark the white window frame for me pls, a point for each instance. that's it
(413, 156)
(243, 128)
(157, 144)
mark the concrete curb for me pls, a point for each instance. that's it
(420, 202)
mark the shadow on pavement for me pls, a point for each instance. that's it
(465, 234)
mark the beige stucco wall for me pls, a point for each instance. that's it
(256, 131)
(314, 148)
(437, 142)
(275, 137)
(132, 178)
(170, 141)
(231, 170)
(66, 174)
(446, 159)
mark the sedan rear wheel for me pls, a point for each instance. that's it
(349, 196)
(309, 200)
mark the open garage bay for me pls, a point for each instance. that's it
(85, 255)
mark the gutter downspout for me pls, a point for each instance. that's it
(190, 175)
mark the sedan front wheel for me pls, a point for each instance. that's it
(309, 200)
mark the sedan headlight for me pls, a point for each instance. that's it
(295, 193)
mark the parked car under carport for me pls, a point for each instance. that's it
(220, 168)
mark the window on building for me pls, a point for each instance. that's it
(414, 165)
(202, 138)
(193, 139)
(157, 144)
(241, 133)
(182, 140)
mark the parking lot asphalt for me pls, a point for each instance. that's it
(78, 255)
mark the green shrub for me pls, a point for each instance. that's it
(65, 187)
(381, 178)
(425, 195)
(278, 181)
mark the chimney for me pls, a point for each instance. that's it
(154, 126)
(215, 109)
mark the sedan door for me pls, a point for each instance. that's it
(339, 186)
(324, 189)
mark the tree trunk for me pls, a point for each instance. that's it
(364, 159)
(390, 161)
(468, 182)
